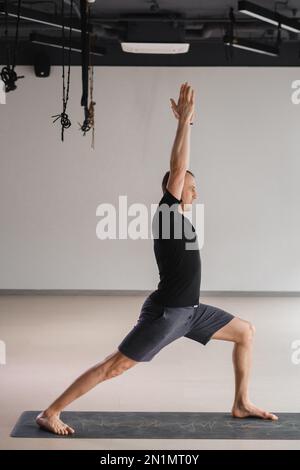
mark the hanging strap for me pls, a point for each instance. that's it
(63, 116)
(8, 74)
(229, 49)
(84, 54)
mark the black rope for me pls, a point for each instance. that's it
(6, 33)
(91, 91)
(85, 51)
(278, 39)
(63, 116)
(8, 74)
(17, 35)
(229, 54)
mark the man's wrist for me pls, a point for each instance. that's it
(184, 122)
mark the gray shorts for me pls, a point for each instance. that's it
(158, 326)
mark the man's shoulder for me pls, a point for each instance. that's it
(169, 199)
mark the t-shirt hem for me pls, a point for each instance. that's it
(154, 296)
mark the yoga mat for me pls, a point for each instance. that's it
(162, 425)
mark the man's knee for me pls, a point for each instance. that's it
(247, 332)
(117, 364)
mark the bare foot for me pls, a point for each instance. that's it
(248, 409)
(53, 424)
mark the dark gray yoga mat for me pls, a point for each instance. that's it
(163, 425)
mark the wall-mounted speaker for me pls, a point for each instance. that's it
(42, 64)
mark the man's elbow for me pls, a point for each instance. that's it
(178, 170)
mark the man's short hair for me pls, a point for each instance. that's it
(166, 178)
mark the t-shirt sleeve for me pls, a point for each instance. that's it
(169, 199)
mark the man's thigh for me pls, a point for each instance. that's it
(207, 321)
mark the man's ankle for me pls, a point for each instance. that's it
(50, 412)
(240, 401)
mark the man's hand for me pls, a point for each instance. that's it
(185, 108)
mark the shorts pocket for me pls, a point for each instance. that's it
(152, 314)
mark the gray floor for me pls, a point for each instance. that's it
(52, 339)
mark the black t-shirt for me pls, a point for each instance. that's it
(177, 256)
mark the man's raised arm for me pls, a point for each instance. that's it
(180, 155)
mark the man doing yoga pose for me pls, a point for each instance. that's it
(173, 309)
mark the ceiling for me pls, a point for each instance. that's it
(203, 24)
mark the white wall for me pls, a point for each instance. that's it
(245, 154)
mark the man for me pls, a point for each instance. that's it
(173, 310)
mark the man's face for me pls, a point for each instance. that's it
(189, 192)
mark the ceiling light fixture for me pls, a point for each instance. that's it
(269, 16)
(154, 48)
(54, 42)
(251, 46)
(39, 17)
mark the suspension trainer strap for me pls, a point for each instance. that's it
(8, 74)
(63, 116)
(84, 54)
